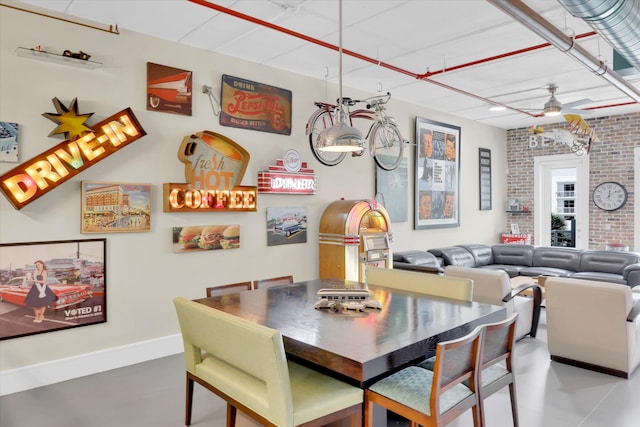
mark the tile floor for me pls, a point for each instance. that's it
(152, 394)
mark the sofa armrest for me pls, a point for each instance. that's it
(414, 267)
(635, 312)
(537, 303)
(631, 274)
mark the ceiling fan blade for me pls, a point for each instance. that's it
(577, 103)
(575, 111)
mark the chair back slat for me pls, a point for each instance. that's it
(456, 361)
(274, 281)
(213, 291)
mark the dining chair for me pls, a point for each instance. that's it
(496, 368)
(213, 291)
(274, 281)
(415, 281)
(433, 398)
(245, 364)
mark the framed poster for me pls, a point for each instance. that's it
(484, 167)
(49, 286)
(9, 142)
(168, 89)
(392, 191)
(437, 175)
(115, 207)
(286, 225)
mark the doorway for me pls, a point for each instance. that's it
(554, 192)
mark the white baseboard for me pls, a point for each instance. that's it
(21, 379)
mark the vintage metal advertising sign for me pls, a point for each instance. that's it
(214, 166)
(255, 106)
(41, 174)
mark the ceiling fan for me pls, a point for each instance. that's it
(553, 107)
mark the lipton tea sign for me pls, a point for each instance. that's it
(36, 177)
(214, 166)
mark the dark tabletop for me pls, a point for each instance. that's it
(358, 347)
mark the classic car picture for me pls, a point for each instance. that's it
(49, 286)
(168, 89)
(286, 225)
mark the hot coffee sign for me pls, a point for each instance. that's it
(85, 147)
(214, 166)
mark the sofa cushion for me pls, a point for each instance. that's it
(509, 254)
(545, 271)
(482, 254)
(454, 255)
(417, 258)
(607, 261)
(599, 277)
(567, 259)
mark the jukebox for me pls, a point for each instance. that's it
(354, 234)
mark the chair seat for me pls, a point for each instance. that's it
(487, 376)
(315, 394)
(408, 387)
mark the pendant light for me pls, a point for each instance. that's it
(341, 137)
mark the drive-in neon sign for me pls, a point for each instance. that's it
(41, 174)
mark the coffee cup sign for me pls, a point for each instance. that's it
(214, 166)
(212, 161)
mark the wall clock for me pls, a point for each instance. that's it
(610, 196)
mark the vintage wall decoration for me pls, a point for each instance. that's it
(205, 238)
(392, 189)
(115, 207)
(290, 175)
(256, 106)
(286, 225)
(437, 175)
(49, 286)
(169, 89)
(214, 166)
(86, 147)
(484, 172)
(9, 148)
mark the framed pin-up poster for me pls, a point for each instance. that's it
(49, 286)
(437, 175)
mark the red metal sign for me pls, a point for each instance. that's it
(255, 106)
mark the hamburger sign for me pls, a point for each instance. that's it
(214, 166)
(206, 238)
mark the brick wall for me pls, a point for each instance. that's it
(609, 160)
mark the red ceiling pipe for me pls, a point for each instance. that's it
(496, 57)
(423, 77)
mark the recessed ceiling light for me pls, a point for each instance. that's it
(497, 108)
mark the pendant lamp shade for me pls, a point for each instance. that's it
(341, 137)
(553, 107)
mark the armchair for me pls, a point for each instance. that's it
(593, 325)
(494, 287)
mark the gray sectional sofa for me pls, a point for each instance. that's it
(528, 260)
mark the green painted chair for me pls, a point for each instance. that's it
(244, 363)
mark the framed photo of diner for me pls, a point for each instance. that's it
(437, 175)
(49, 286)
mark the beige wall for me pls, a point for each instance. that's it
(143, 275)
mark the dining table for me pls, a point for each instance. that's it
(357, 346)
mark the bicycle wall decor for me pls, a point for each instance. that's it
(386, 144)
